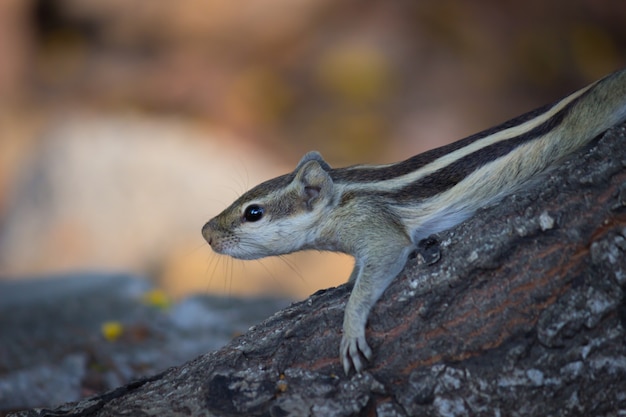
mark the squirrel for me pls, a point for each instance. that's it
(379, 213)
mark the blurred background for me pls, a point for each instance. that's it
(125, 126)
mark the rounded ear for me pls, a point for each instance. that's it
(313, 156)
(314, 182)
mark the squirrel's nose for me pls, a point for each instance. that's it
(206, 233)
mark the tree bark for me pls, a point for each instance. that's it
(522, 315)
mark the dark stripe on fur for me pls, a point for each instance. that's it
(452, 174)
(356, 175)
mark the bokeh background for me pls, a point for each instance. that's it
(124, 126)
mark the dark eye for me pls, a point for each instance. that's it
(253, 213)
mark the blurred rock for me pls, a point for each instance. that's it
(52, 348)
(119, 193)
(131, 194)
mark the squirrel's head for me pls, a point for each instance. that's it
(276, 217)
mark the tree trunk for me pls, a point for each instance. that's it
(522, 315)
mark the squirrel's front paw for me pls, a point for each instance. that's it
(351, 352)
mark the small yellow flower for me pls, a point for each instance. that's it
(112, 330)
(156, 298)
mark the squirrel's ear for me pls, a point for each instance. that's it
(313, 181)
(313, 156)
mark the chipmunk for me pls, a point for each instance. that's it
(379, 213)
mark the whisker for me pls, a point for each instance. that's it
(230, 278)
(220, 201)
(242, 181)
(192, 251)
(246, 183)
(215, 260)
(227, 271)
(292, 266)
(268, 271)
(208, 260)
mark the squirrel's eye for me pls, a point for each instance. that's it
(253, 213)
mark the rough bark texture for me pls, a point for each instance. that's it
(523, 315)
